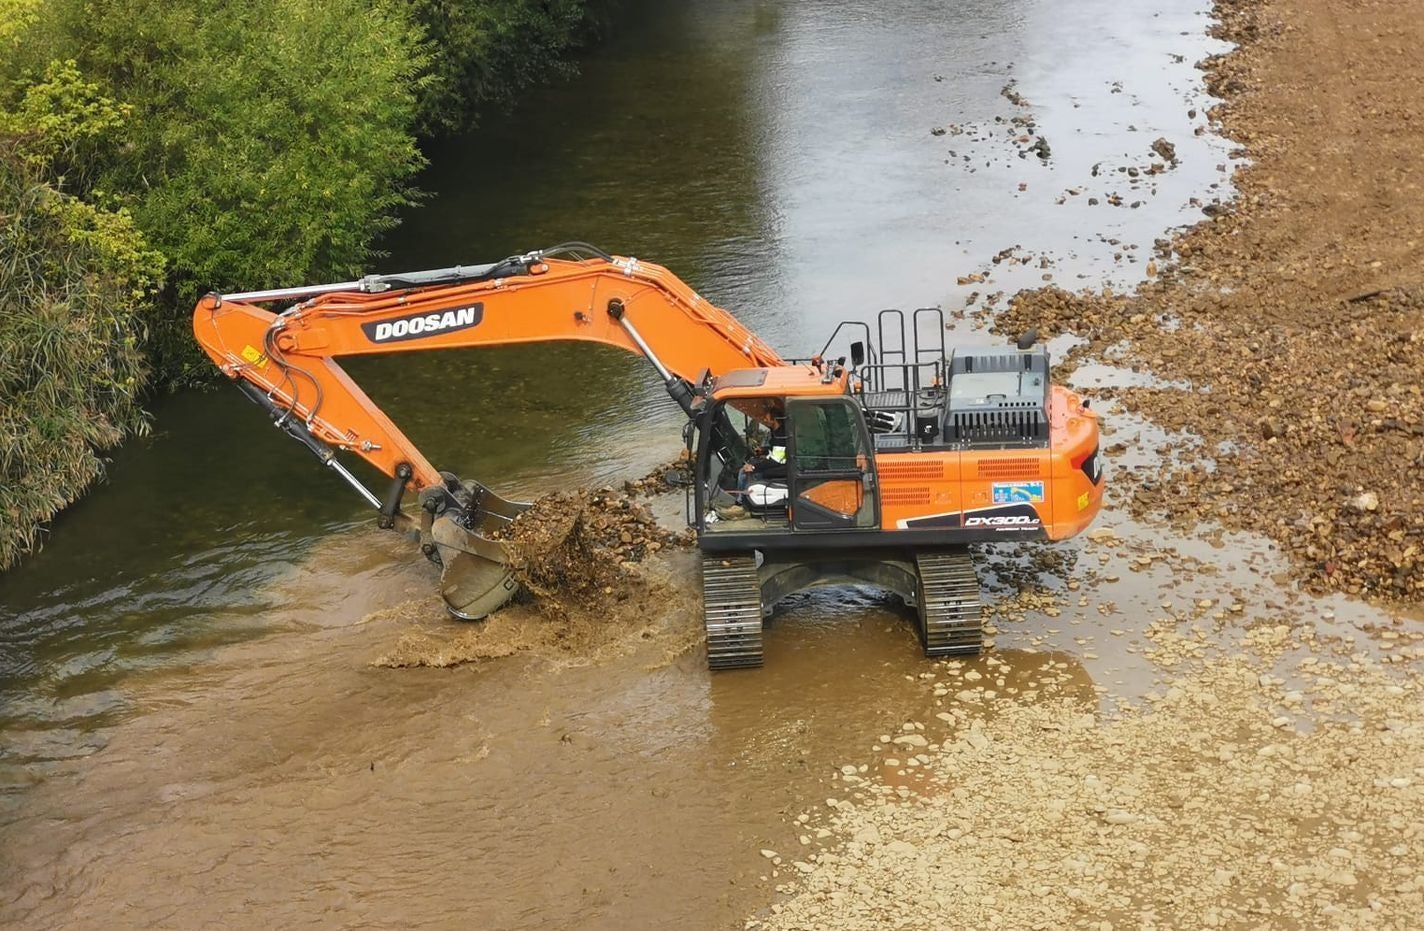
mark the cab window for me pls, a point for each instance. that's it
(827, 438)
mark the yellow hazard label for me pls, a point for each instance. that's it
(251, 354)
(1085, 499)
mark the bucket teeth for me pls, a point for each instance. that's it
(950, 621)
(731, 610)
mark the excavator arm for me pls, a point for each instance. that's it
(289, 356)
(285, 361)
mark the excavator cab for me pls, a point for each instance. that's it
(774, 465)
(832, 467)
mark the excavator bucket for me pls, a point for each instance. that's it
(476, 578)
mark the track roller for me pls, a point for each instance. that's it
(731, 611)
(950, 622)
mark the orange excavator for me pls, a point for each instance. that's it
(878, 468)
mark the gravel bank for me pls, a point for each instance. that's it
(1274, 788)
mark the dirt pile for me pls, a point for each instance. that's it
(1324, 437)
(595, 566)
(598, 576)
(1295, 318)
(665, 478)
(1244, 793)
(574, 550)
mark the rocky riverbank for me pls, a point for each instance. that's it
(1289, 327)
(1278, 787)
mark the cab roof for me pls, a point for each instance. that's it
(801, 381)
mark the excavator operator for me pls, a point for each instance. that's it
(763, 467)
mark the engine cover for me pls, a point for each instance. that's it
(998, 398)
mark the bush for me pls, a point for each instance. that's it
(269, 140)
(72, 281)
(151, 150)
(265, 142)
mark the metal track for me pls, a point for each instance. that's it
(949, 617)
(731, 610)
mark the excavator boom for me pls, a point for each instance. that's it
(289, 356)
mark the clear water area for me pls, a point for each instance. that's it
(189, 728)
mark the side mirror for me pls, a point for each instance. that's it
(1027, 340)
(857, 354)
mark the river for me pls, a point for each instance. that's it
(190, 728)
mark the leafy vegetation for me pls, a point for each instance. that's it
(151, 150)
(73, 281)
(269, 140)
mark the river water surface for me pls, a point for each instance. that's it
(191, 730)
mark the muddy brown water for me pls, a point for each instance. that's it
(192, 730)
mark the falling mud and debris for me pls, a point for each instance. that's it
(593, 566)
(576, 550)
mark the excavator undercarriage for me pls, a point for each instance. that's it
(807, 473)
(740, 591)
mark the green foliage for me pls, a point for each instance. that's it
(151, 150)
(269, 140)
(60, 119)
(16, 16)
(72, 281)
(257, 142)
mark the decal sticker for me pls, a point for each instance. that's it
(1007, 517)
(953, 519)
(251, 354)
(1018, 492)
(1085, 499)
(1092, 467)
(1000, 520)
(415, 326)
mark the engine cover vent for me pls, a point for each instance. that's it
(998, 398)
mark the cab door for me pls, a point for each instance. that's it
(831, 468)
